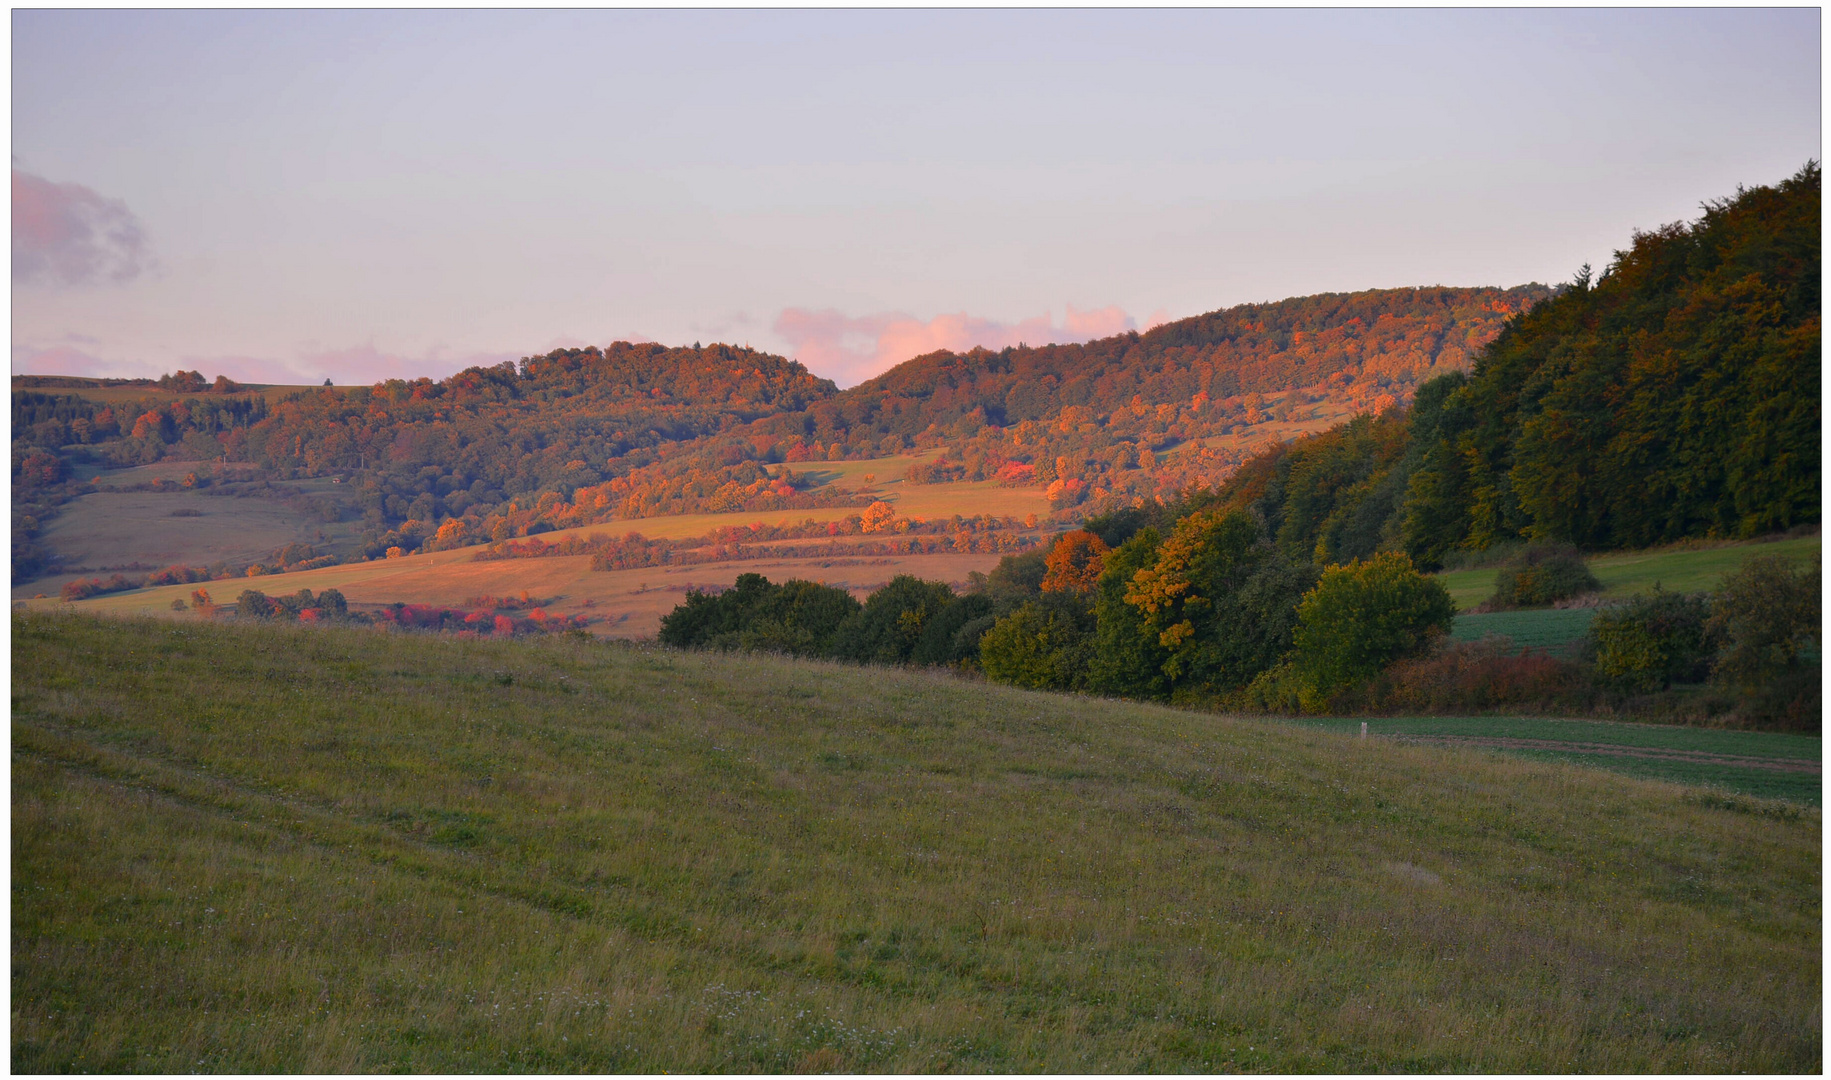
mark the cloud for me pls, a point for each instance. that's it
(849, 349)
(66, 234)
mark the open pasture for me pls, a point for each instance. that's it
(280, 848)
(968, 498)
(1687, 568)
(1550, 629)
(143, 528)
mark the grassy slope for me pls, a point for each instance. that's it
(280, 849)
(1633, 572)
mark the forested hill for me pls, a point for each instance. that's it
(1675, 395)
(633, 430)
(1372, 342)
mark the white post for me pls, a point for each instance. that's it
(1363, 729)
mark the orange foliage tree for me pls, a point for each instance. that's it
(1075, 563)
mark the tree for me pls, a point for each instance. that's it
(888, 627)
(1360, 618)
(1043, 645)
(1128, 657)
(1765, 615)
(951, 637)
(800, 618)
(1075, 563)
(1210, 554)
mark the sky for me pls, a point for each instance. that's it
(288, 196)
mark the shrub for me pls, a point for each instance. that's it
(1765, 619)
(254, 604)
(1360, 618)
(1474, 676)
(178, 575)
(87, 587)
(1542, 574)
(1764, 616)
(938, 471)
(1652, 641)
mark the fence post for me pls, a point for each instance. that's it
(1363, 729)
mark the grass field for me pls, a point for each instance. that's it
(966, 498)
(1547, 628)
(1635, 572)
(286, 848)
(1762, 764)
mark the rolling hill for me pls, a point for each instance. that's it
(279, 849)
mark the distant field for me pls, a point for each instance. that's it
(280, 848)
(118, 529)
(1547, 629)
(1754, 763)
(966, 498)
(620, 603)
(1631, 573)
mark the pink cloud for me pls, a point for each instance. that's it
(66, 234)
(850, 349)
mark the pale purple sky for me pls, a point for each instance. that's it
(289, 196)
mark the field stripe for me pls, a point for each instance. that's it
(1615, 749)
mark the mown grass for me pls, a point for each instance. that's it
(1797, 787)
(283, 848)
(1684, 569)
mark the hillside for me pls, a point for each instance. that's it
(284, 849)
(580, 436)
(1676, 396)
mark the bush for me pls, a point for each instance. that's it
(1360, 618)
(1764, 616)
(87, 587)
(1652, 641)
(1765, 621)
(1476, 676)
(254, 604)
(1542, 574)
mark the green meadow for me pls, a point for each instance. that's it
(1675, 569)
(283, 848)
